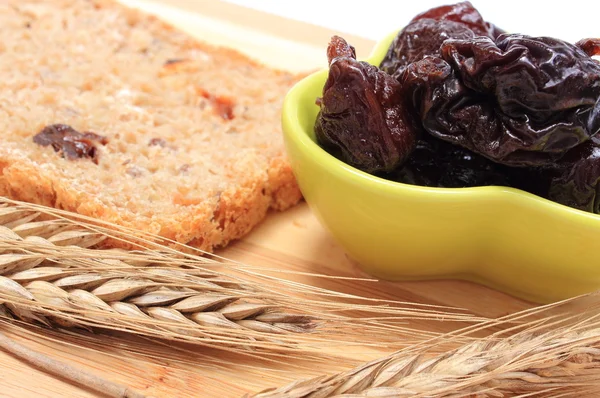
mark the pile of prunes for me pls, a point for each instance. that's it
(458, 102)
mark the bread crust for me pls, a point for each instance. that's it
(208, 221)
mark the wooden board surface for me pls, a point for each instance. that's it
(292, 240)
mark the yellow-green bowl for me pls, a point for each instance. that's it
(502, 237)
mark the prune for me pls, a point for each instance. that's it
(577, 183)
(463, 13)
(457, 102)
(362, 119)
(590, 46)
(573, 181)
(421, 38)
(426, 32)
(522, 101)
(69, 142)
(435, 163)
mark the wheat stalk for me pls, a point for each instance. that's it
(66, 371)
(551, 357)
(36, 272)
(149, 295)
(52, 272)
(65, 236)
(158, 302)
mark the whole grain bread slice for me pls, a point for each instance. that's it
(193, 147)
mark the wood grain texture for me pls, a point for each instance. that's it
(293, 240)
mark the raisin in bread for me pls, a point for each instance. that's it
(113, 114)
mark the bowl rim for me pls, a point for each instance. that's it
(293, 131)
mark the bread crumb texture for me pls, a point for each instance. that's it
(195, 151)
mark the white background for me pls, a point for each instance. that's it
(569, 20)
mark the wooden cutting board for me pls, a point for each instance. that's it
(292, 240)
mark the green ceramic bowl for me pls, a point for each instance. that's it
(502, 237)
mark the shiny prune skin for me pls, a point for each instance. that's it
(577, 182)
(589, 46)
(535, 76)
(421, 38)
(463, 13)
(362, 120)
(426, 32)
(476, 107)
(522, 101)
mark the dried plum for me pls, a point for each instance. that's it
(435, 163)
(522, 101)
(362, 119)
(578, 183)
(463, 13)
(419, 39)
(590, 46)
(457, 102)
(573, 181)
(425, 34)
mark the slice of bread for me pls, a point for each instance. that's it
(194, 150)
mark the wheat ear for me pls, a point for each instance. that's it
(53, 273)
(50, 274)
(556, 362)
(38, 284)
(66, 229)
(149, 295)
